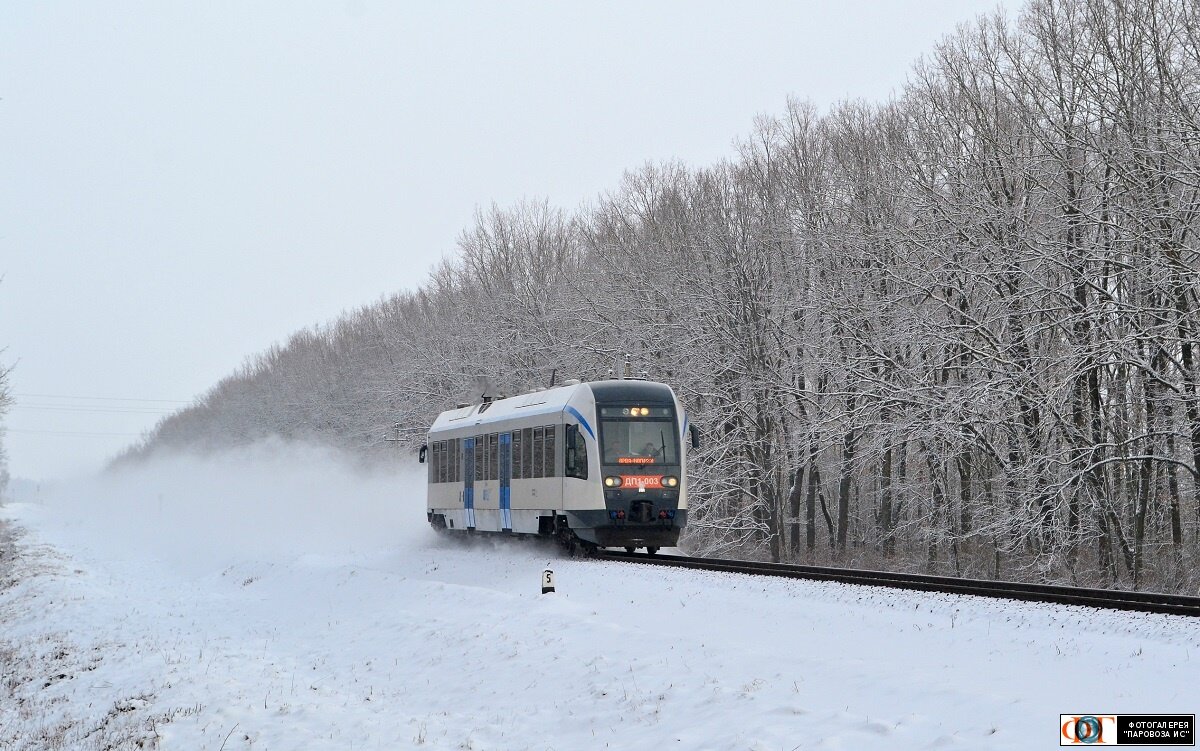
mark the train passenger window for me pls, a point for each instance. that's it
(538, 447)
(516, 454)
(551, 456)
(479, 458)
(527, 452)
(455, 460)
(493, 456)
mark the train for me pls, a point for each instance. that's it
(590, 464)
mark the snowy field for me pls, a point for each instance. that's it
(278, 599)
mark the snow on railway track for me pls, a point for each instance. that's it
(1108, 599)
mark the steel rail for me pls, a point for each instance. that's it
(1111, 599)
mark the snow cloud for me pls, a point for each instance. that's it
(272, 501)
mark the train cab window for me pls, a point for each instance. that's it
(638, 435)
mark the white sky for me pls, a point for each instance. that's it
(181, 186)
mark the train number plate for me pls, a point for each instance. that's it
(641, 481)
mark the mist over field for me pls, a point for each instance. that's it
(272, 500)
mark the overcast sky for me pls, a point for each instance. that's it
(182, 185)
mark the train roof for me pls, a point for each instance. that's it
(550, 401)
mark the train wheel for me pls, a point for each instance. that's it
(651, 550)
(629, 548)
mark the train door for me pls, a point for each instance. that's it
(468, 498)
(506, 482)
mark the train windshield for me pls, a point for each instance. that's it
(638, 438)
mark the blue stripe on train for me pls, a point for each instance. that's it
(575, 413)
(506, 481)
(469, 485)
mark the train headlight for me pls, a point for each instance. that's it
(670, 481)
(612, 481)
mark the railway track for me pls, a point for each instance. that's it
(1149, 602)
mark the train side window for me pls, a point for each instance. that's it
(527, 452)
(516, 454)
(493, 456)
(551, 454)
(538, 442)
(485, 448)
(575, 456)
(456, 459)
(479, 457)
(433, 462)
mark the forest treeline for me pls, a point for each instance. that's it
(953, 332)
(6, 401)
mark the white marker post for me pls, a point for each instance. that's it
(547, 581)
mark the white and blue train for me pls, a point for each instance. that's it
(591, 464)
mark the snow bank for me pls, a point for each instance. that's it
(304, 605)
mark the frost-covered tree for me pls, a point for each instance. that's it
(5, 403)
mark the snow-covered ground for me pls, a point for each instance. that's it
(278, 599)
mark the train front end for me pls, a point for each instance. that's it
(642, 441)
